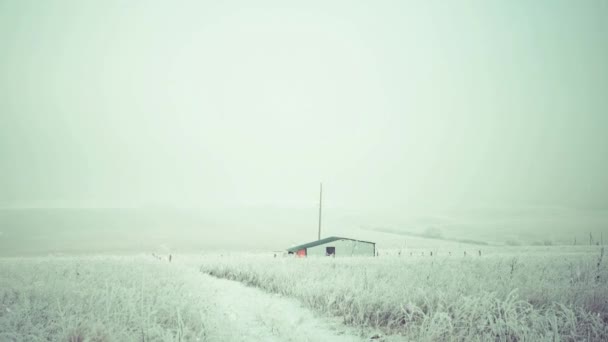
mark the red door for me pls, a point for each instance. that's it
(301, 253)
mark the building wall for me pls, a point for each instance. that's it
(344, 248)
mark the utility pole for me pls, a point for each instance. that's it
(320, 208)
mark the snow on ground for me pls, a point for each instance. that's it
(127, 298)
(243, 313)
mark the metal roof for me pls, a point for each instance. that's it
(321, 242)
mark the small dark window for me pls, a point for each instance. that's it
(330, 251)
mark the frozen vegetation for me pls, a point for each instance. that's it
(506, 294)
(141, 298)
(516, 294)
(98, 299)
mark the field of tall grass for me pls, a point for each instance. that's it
(508, 294)
(99, 299)
(547, 294)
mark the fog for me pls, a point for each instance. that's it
(235, 112)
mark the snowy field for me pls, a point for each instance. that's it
(141, 298)
(507, 294)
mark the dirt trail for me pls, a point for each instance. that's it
(248, 314)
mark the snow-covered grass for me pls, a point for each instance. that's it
(99, 299)
(511, 295)
(533, 294)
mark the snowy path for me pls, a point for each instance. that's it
(255, 315)
(248, 314)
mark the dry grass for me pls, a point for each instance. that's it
(546, 294)
(532, 297)
(98, 299)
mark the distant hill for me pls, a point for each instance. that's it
(43, 231)
(127, 230)
(520, 226)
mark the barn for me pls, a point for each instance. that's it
(334, 246)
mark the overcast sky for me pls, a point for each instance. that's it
(393, 105)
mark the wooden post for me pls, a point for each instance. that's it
(320, 208)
